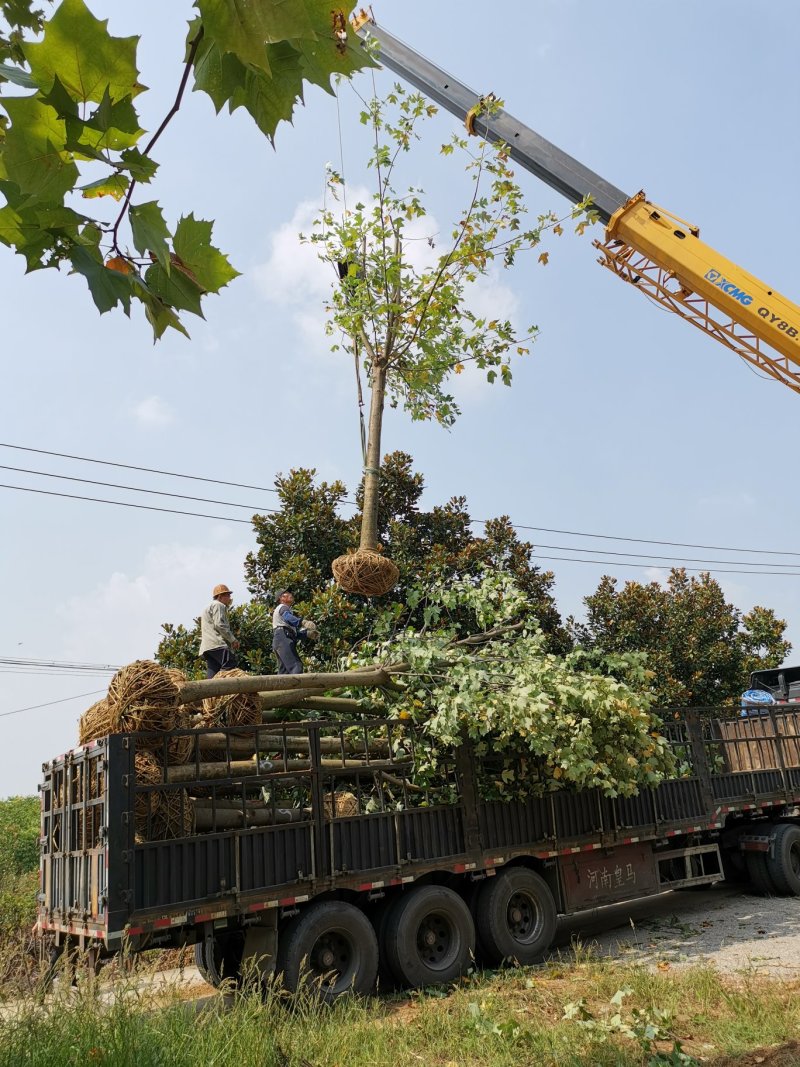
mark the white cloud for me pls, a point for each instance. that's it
(120, 619)
(153, 411)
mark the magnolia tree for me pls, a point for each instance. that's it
(411, 326)
(76, 167)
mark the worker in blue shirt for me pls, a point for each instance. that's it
(287, 629)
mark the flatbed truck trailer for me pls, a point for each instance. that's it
(312, 847)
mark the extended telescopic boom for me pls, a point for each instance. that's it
(644, 245)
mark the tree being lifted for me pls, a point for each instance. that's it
(409, 321)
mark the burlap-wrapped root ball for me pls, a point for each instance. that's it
(365, 572)
(159, 814)
(233, 709)
(143, 696)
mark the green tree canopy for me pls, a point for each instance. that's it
(297, 543)
(700, 647)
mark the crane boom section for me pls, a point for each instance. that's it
(665, 258)
(526, 147)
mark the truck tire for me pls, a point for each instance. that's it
(759, 873)
(332, 946)
(221, 960)
(783, 859)
(516, 916)
(429, 937)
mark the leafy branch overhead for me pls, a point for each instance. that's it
(73, 159)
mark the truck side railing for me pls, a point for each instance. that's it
(271, 813)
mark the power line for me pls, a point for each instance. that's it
(650, 566)
(217, 481)
(645, 541)
(131, 467)
(124, 504)
(136, 489)
(25, 661)
(49, 703)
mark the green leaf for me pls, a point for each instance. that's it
(108, 287)
(271, 100)
(244, 27)
(321, 59)
(89, 62)
(33, 151)
(17, 76)
(60, 100)
(210, 267)
(150, 232)
(140, 166)
(175, 289)
(115, 185)
(160, 317)
(217, 73)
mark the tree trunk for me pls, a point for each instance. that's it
(267, 683)
(372, 470)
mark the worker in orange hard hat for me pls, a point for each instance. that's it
(217, 640)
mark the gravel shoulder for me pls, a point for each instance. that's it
(733, 930)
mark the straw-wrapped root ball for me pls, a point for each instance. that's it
(365, 572)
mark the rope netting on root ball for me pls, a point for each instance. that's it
(97, 721)
(144, 696)
(365, 572)
(231, 709)
(159, 813)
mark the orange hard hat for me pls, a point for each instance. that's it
(219, 590)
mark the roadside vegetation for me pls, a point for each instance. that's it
(579, 1012)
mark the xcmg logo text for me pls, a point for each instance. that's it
(731, 288)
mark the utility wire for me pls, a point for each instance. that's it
(124, 504)
(651, 566)
(239, 485)
(253, 508)
(49, 703)
(564, 548)
(131, 467)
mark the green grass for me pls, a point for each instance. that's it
(500, 1019)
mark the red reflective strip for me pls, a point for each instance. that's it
(258, 907)
(459, 868)
(365, 887)
(160, 923)
(132, 931)
(287, 901)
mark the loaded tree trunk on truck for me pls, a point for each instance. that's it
(311, 846)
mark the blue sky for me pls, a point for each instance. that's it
(624, 420)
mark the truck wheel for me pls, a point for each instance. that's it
(759, 873)
(222, 960)
(333, 946)
(429, 938)
(784, 866)
(516, 916)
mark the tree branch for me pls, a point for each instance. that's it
(195, 44)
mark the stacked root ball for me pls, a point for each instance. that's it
(143, 697)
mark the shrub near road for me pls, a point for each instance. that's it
(19, 863)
